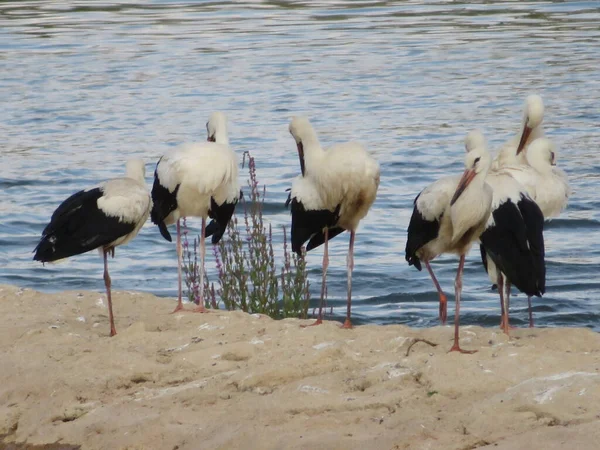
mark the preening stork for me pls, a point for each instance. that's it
(311, 222)
(448, 216)
(512, 244)
(102, 218)
(337, 188)
(546, 183)
(514, 151)
(197, 180)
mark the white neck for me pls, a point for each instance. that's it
(221, 136)
(136, 171)
(313, 152)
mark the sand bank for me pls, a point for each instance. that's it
(230, 380)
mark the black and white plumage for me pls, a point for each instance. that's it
(197, 180)
(337, 188)
(309, 217)
(448, 216)
(102, 218)
(312, 222)
(512, 244)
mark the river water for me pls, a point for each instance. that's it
(86, 85)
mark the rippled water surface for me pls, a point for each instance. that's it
(85, 85)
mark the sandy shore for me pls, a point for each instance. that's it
(229, 380)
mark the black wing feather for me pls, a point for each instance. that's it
(420, 232)
(307, 223)
(483, 257)
(78, 226)
(164, 203)
(534, 220)
(221, 215)
(319, 238)
(507, 243)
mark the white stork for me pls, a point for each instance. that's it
(512, 244)
(310, 222)
(448, 216)
(337, 188)
(102, 218)
(514, 151)
(545, 183)
(197, 180)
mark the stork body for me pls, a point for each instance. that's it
(545, 184)
(337, 188)
(197, 180)
(102, 218)
(512, 243)
(448, 216)
(312, 222)
(514, 151)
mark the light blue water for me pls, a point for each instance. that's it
(85, 87)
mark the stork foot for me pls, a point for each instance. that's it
(506, 329)
(347, 324)
(178, 308)
(198, 309)
(443, 309)
(317, 322)
(456, 348)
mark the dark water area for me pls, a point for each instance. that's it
(86, 86)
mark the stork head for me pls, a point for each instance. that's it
(541, 155)
(216, 128)
(304, 135)
(475, 139)
(533, 116)
(477, 163)
(135, 169)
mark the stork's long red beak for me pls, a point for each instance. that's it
(524, 136)
(466, 178)
(301, 156)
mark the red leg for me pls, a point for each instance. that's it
(457, 292)
(507, 296)
(443, 299)
(503, 308)
(350, 264)
(500, 283)
(201, 308)
(179, 306)
(530, 312)
(107, 284)
(319, 320)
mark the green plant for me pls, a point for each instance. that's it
(247, 273)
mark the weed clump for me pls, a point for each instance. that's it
(248, 278)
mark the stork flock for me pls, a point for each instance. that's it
(500, 203)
